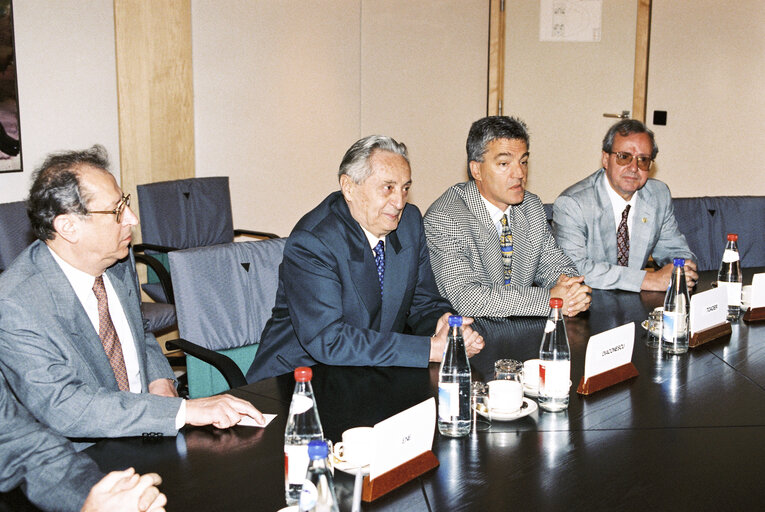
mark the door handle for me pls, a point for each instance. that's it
(624, 115)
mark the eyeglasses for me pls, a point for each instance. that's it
(624, 158)
(119, 209)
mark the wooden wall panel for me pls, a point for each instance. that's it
(155, 91)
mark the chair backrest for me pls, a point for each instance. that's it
(15, 232)
(224, 295)
(744, 215)
(186, 213)
(698, 220)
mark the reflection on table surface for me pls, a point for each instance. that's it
(687, 432)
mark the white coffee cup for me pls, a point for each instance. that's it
(356, 447)
(505, 395)
(531, 373)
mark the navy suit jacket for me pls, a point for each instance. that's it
(55, 363)
(328, 306)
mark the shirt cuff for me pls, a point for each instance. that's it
(180, 418)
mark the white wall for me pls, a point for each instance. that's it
(67, 83)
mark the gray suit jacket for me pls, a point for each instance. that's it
(45, 465)
(55, 363)
(465, 254)
(583, 222)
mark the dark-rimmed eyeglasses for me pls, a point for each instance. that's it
(624, 158)
(119, 209)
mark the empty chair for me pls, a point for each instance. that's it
(698, 219)
(224, 295)
(182, 214)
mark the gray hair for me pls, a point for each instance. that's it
(627, 127)
(56, 188)
(490, 128)
(356, 160)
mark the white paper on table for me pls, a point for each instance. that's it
(609, 349)
(402, 437)
(246, 421)
(758, 291)
(708, 309)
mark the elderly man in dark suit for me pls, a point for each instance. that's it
(492, 250)
(355, 285)
(72, 344)
(55, 477)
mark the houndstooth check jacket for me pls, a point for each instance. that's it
(466, 259)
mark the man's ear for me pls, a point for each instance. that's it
(475, 170)
(67, 227)
(604, 159)
(346, 186)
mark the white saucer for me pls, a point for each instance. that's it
(349, 468)
(528, 407)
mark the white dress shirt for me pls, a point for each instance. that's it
(496, 215)
(618, 204)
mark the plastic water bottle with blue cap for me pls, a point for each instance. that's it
(454, 384)
(677, 307)
(318, 493)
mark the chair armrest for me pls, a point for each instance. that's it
(153, 247)
(259, 234)
(162, 274)
(223, 364)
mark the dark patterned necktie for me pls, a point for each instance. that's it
(623, 240)
(108, 335)
(380, 262)
(506, 244)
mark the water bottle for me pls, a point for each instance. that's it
(554, 361)
(729, 276)
(677, 306)
(303, 426)
(454, 384)
(318, 493)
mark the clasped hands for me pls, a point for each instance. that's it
(575, 294)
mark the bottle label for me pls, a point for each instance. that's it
(729, 256)
(448, 400)
(733, 290)
(300, 404)
(549, 326)
(309, 496)
(295, 463)
(554, 377)
(674, 326)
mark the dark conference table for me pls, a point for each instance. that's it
(687, 433)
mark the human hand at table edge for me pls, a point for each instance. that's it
(221, 411)
(473, 341)
(575, 294)
(658, 281)
(126, 491)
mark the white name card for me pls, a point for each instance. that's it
(758, 291)
(609, 350)
(708, 309)
(403, 437)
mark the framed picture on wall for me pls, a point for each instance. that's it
(10, 132)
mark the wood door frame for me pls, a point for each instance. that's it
(496, 85)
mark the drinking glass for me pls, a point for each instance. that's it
(508, 369)
(478, 398)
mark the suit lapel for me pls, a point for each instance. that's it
(487, 239)
(604, 213)
(642, 227)
(72, 318)
(396, 272)
(360, 259)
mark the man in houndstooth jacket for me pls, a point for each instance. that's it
(463, 229)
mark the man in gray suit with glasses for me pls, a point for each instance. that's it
(72, 343)
(611, 222)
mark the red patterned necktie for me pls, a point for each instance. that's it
(108, 335)
(623, 240)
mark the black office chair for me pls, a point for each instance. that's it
(183, 214)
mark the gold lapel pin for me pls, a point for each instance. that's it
(645, 220)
